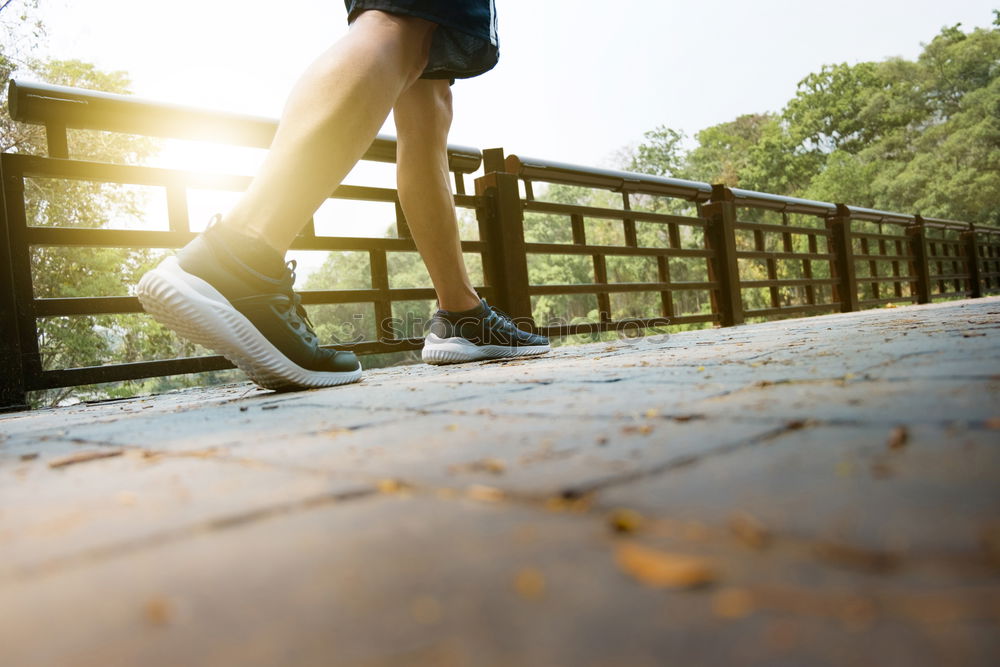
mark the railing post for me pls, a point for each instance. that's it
(921, 266)
(842, 247)
(972, 259)
(506, 258)
(12, 385)
(721, 237)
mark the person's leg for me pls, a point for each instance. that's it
(329, 121)
(229, 289)
(465, 328)
(423, 117)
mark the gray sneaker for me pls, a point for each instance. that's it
(490, 334)
(212, 298)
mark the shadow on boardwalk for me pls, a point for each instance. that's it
(814, 491)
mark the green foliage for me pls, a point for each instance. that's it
(914, 136)
(661, 154)
(68, 342)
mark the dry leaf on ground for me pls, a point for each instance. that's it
(625, 520)
(487, 494)
(530, 583)
(83, 457)
(660, 569)
(898, 438)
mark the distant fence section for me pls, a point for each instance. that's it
(713, 255)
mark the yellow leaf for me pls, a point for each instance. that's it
(530, 583)
(624, 520)
(389, 485)
(485, 493)
(660, 569)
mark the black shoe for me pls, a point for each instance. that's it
(209, 296)
(488, 334)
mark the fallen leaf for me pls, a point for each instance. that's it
(660, 569)
(685, 418)
(570, 503)
(530, 583)
(624, 520)
(488, 465)
(390, 485)
(652, 413)
(898, 438)
(158, 611)
(83, 457)
(487, 494)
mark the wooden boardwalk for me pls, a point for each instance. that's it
(816, 491)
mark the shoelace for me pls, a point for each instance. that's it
(294, 300)
(503, 317)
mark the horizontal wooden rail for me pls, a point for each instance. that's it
(61, 107)
(703, 246)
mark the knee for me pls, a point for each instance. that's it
(426, 114)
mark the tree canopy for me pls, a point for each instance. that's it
(57, 271)
(917, 136)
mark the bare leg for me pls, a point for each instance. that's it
(423, 117)
(330, 119)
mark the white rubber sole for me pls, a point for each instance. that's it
(197, 311)
(439, 351)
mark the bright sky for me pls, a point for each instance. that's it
(577, 79)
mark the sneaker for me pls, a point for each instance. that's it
(209, 296)
(489, 334)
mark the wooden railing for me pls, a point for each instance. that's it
(715, 255)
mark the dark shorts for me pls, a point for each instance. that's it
(465, 42)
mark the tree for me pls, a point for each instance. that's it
(66, 342)
(661, 154)
(913, 136)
